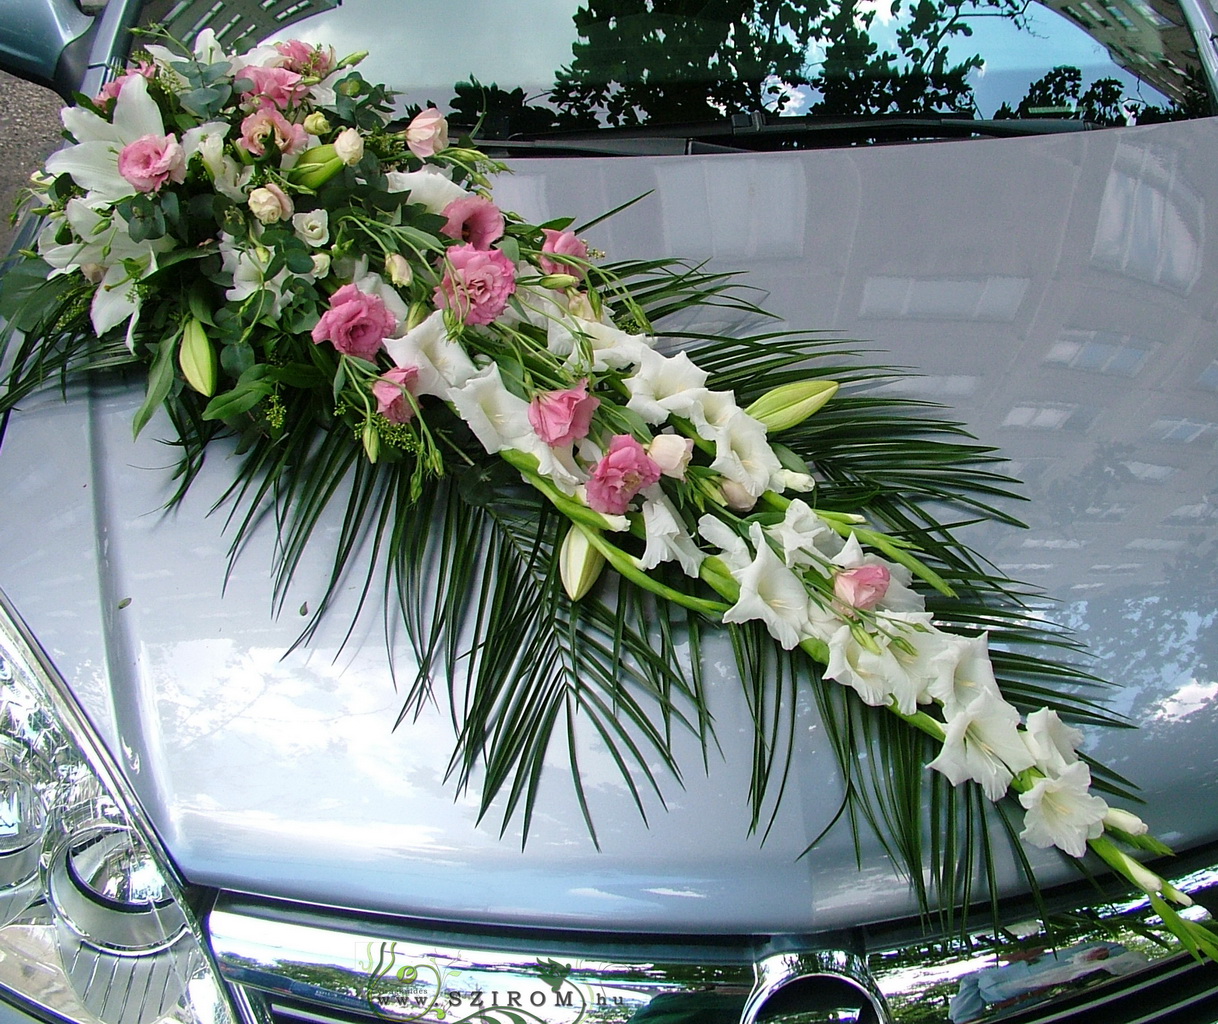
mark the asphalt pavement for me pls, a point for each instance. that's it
(29, 130)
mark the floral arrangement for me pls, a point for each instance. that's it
(344, 296)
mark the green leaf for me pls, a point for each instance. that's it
(160, 380)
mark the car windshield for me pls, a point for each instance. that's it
(532, 67)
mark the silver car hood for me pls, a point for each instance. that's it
(1058, 294)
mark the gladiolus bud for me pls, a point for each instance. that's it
(789, 405)
(1125, 821)
(316, 123)
(579, 563)
(561, 282)
(1147, 880)
(197, 358)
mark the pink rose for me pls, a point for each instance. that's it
(112, 89)
(356, 323)
(277, 86)
(390, 393)
(267, 125)
(624, 471)
(560, 417)
(427, 134)
(151, 160)
(306, 60)
(476, 283)
(562, 243)
(474, 220)
(862, 587)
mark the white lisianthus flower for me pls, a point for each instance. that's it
(771, 592)
(312, 227)
(973, 678)
(1051, 742)
(664, 386)
(442, 363)
(733, 551)
(349, 146)
(1061, 812)
(805, 538)
(983, 744)
(898, 597)
(427, 187)
(591, 346)
(667, 538)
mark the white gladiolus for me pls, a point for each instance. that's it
(982, 743)
(771, 592)
(664, 386)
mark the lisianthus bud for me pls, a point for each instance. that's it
(791, 404)
(397, 267)
(735, 496)
(579, 563)
(372, 441)
(349, 146)
(560, 282)
(197, 358)
(321, 264)
(351, 60)
(316, 123)
(270, 204)
(671, 452)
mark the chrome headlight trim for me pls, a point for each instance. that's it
(94, 924)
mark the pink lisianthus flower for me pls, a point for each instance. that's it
(307, 61)
(266, 125)
(277, 86)
(112, 89)
(356, 323)
(151, 160)
(862, 587)
(390, 393)
(561, 417)
(476, 284)
(474, 220)
(559, 244)
(427, 134)
(624, 470)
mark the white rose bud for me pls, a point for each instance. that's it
(397, 267)
(270, 204)
(349, 146)
(671, 452)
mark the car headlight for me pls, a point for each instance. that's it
(93, 924)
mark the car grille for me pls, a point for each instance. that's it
(1099, 964)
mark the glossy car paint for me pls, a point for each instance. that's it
(1057, 293)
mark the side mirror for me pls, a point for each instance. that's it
(45, 42)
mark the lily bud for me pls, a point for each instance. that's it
(789, 405)
(579, 563)
(316, 123)
(197, 358)
(315, 167)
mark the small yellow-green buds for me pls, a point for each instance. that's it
(316, 123)
(197, 358)
(579, 563)
(397, 267)
(789, 405)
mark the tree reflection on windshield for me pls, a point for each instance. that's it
(640, 62)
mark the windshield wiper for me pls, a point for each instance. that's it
(745, 133)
